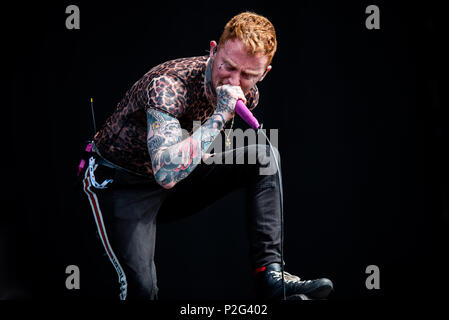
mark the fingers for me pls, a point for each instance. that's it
(235, 91)
(228, 95)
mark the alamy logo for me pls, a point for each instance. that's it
(373, 20)
(73, 20)
(73, 280)
(265, 154)
(373, 280)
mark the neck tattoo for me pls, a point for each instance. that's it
(208, 86)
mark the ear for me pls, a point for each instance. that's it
(265, 73)
(213, 48)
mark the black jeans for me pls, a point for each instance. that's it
(132, 206)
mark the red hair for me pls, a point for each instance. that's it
(255, 31)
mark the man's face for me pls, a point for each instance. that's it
(234, 66)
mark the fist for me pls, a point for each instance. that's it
(227, 97)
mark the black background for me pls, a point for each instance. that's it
(362, 135)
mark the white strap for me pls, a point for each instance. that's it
(101, 229)
(92, 168)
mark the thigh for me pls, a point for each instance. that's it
(211, 182)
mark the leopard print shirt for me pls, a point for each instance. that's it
(123, 138)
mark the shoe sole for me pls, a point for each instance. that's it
(297, 297)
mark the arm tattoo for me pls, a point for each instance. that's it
(172, 158)
(223, 102)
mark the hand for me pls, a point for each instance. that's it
(227, 97)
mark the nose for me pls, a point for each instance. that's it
(234, 79)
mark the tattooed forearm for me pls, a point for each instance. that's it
(223, 100)
(209, 131)
(172, 158)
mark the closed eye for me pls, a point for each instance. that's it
(228, 67)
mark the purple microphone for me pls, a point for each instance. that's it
(246, 115)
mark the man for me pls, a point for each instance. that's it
(146, 170)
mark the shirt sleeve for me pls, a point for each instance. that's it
(168, 94)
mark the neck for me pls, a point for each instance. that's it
(208, 86)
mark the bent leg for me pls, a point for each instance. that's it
(125, 217)
(210, 182)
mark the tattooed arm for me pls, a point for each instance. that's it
(172, 158)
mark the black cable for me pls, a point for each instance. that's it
(93, 115)
(282, 207)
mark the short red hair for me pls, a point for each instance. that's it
(255, 31)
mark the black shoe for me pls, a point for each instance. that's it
(268, 285)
